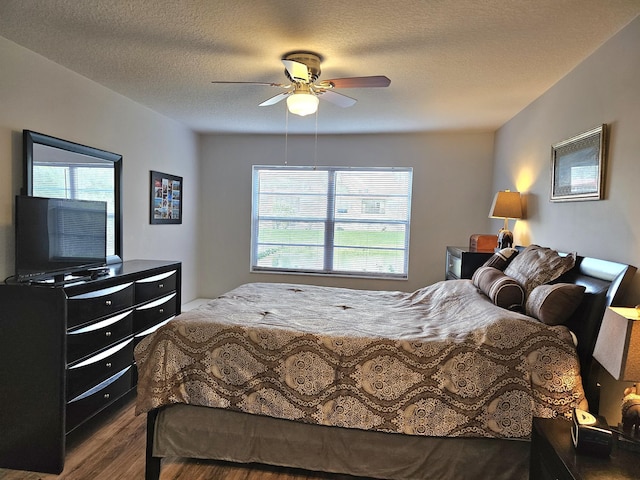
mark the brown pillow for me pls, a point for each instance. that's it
(504, 291)
(537, 265)
(501, 259)
(554, 304)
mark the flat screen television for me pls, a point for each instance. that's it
(58, 237)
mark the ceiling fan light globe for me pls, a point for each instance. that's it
(302, 104)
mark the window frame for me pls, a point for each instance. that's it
(329, 221)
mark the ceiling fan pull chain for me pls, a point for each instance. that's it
(286, 134)
(315, 147)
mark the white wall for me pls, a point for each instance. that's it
(452, 194)
(37, 94)
(602, 89)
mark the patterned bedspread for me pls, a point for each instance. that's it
(441, 361)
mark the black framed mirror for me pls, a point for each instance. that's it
(58, 168)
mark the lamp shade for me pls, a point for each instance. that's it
(618, 345)
(302, 104)
(506, 204)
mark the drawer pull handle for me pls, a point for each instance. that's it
(108, 365)
(106, 396)
(107, 334)
(162, 310)
(107, 303)
(161, 285)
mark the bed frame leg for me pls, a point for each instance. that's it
(152, 464)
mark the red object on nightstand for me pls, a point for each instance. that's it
(482, 242)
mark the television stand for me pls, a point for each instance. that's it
(73, 277)
(61, 280)
(66, 354)
(67, 278)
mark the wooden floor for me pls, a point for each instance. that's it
(115, 449)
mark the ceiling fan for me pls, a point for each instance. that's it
(303, 69)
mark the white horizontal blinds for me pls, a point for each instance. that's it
(81, 181)
(291, 223)
(331, 220)
(372, 221)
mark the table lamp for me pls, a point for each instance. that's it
(618, 351)
(506, 204)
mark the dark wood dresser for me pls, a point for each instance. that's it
(66, 353)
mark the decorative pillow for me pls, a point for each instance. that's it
(504, 291)
(501, 259)
(554, 304)
(537, 265)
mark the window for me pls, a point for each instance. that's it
(331, 220)
(83, 181)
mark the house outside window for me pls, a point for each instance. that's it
(331, 221)
(373, 206)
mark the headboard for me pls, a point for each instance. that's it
(605, 284)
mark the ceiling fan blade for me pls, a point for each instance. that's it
(337, 98)
(274, 100)
(297, 71)
(252, 83)
(356, 82)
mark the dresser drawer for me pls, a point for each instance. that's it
(155, 312)
(100, 303)
(139, 336)
(88, 373)
(89, 403)
(462, 263)
(156, 286)
(454, 266)
(96, 336)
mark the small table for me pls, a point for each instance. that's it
(554, 457)
(462, 262)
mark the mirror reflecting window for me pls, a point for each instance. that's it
(57, 168)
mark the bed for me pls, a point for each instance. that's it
(438, 383)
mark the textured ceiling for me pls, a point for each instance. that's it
(453, 64)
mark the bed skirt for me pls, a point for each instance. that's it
(212, 433)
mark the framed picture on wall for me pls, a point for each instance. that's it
(577, 167)
(166, 198)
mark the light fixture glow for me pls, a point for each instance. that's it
(302, 103)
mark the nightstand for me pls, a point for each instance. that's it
(461, 262)
(553, 456)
